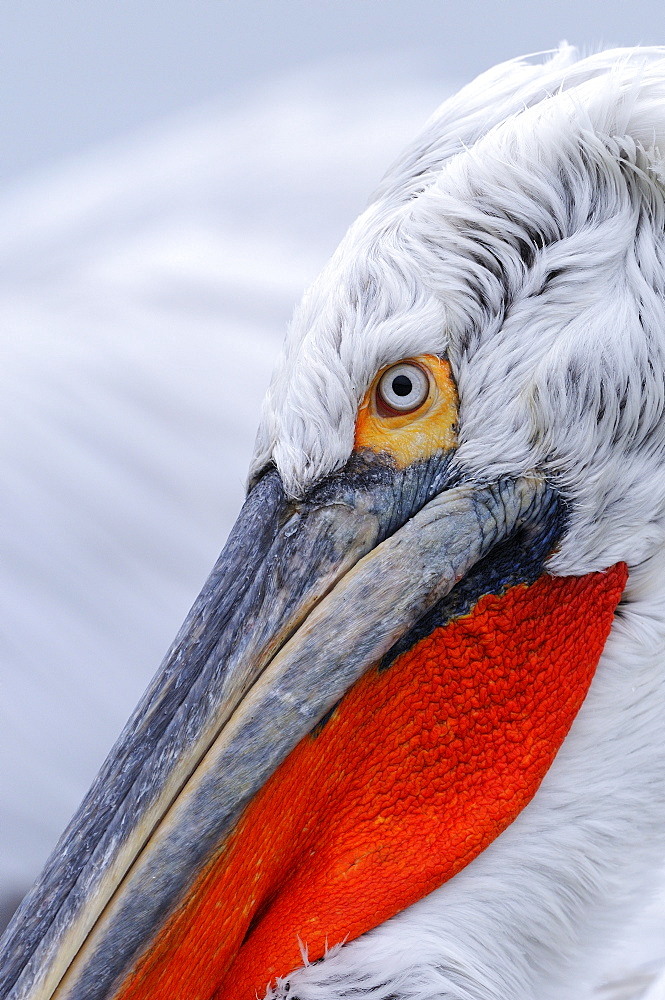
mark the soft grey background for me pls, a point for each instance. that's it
(78, 72)
(172, 174)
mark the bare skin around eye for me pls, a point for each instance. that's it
(407, 437)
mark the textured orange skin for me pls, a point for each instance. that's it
(418, 770)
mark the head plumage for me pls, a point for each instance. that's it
(521, 236)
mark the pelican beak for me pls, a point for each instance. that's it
(264, 793)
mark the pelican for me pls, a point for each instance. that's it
(408, 742)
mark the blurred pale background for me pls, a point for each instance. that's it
(172, 175)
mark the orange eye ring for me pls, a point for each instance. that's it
(402, 389)
(408, 435)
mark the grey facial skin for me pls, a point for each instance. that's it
(360, 559)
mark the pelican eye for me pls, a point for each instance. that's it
(403, 388)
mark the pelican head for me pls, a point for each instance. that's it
(407, 743)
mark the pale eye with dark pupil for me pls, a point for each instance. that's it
(403, 388)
